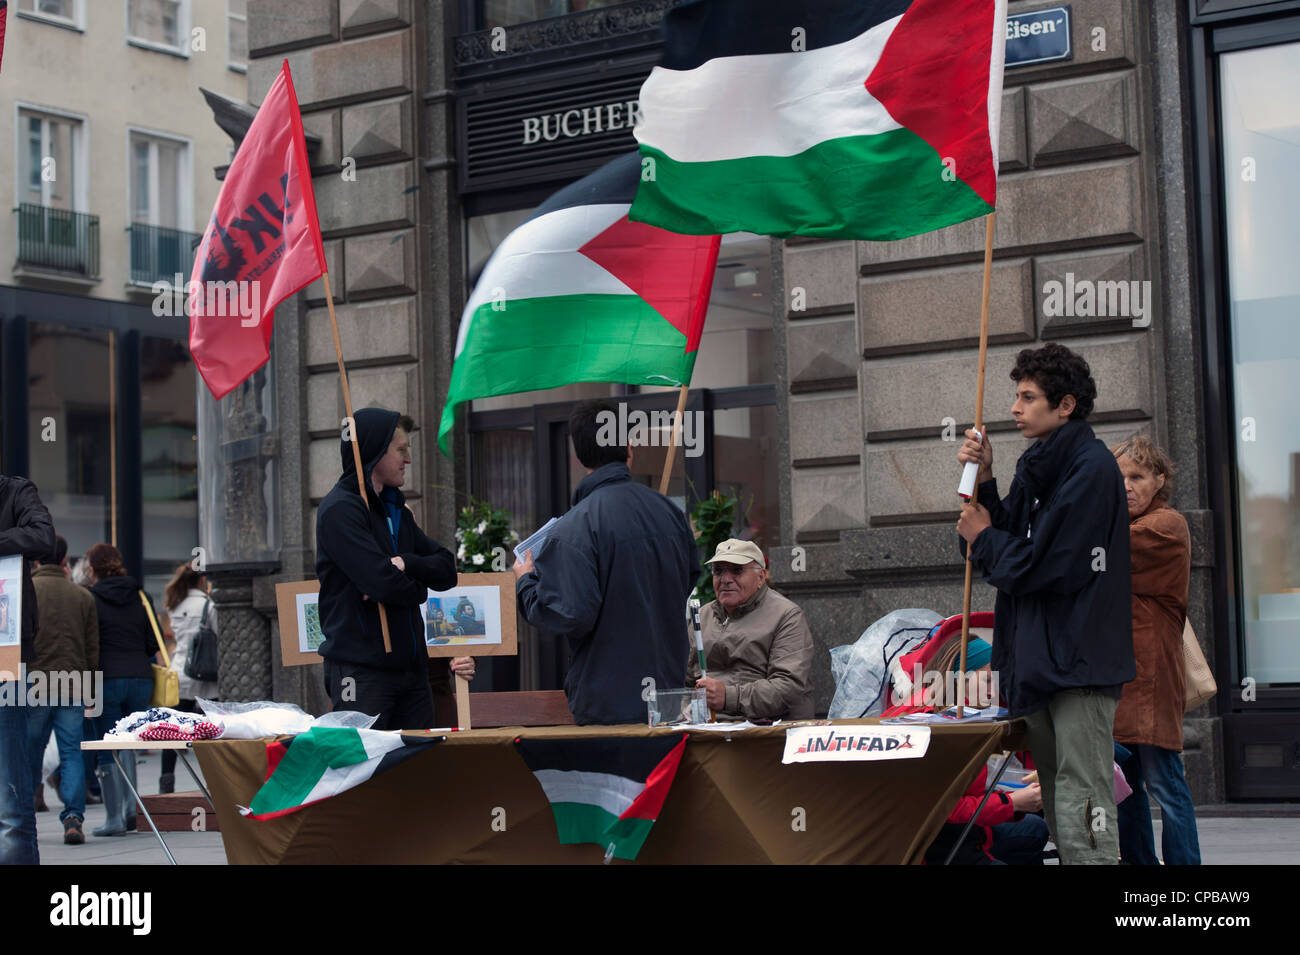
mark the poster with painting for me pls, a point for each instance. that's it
(474, 618)
(11, 601)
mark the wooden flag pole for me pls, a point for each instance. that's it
(979, 426)
(112, 437)
(672, 445)
(356, 445)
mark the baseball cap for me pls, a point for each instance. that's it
(735, 551)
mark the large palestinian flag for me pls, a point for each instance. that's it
(326, 761)
(579, 293)
(606, 791)
(876, 119)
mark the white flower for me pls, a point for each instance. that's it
(460, 534)
(460, 552)
(482, 526)
(478, 560)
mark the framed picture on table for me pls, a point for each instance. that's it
(473, 619)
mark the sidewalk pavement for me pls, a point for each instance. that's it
(1225, 840)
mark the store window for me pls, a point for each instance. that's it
(1261, 149)
(506, 13)
(168, 458)
(69, 440)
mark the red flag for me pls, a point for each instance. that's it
(4, 12)
(262, 245)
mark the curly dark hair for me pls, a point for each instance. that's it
(1059, 372)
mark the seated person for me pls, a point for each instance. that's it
(757, 645)
(1005, 832)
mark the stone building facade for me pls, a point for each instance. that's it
(1108, 168)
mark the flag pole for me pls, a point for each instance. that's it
(112, 436)
(979, 426)
(356, 445)
(672, 445)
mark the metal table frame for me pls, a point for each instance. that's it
(179, 747)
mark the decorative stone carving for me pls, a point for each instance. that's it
(560, 32)
(243, 641)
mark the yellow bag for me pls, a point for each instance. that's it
(166, 681)
(1200, 681)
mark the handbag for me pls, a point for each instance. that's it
(1200, 681)
(201, 664)
(166, 681)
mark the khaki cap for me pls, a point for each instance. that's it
(735, 551)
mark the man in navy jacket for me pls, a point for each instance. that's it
(1057, 550)
(613, 575)
(368, 555)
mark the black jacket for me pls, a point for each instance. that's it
(354, 547)
(1058, 553)
(613, 575)
(126, 640)
(26, 530)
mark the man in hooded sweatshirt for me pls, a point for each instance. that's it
(373, 552)
(1057, 550)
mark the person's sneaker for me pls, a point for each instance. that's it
(39, 798)
(72, 833)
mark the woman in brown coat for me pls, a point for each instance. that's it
(1149, 720)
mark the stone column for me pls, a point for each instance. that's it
(244, 640)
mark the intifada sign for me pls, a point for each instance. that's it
(1039, 36)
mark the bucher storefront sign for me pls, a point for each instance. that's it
(571, 123)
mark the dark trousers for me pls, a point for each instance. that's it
(400, 698)
(1159, 772)
(169, 755)
(1020, 843)
(17, 817)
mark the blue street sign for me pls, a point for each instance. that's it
(1039, 36)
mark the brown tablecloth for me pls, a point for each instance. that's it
(733, 801)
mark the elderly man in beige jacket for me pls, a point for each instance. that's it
(757, 645)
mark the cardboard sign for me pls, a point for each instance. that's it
(837, 744)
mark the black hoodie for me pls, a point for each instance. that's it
(126, 639)
(354, 551)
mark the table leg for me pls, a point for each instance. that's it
(195, 776)
(140, 802)
(978, 809)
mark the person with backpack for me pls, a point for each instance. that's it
(190, 611)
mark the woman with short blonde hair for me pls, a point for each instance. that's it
(1149, 719)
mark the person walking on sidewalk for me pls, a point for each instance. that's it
(126, 650)
(26, 531)
(68, 643)
(186, 600)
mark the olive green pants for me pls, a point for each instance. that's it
(1072, 747)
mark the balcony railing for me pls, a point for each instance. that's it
(58, 240)
(157, 254)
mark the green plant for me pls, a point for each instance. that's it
(483, 538)
(713, 518)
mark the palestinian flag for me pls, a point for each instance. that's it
(326, 761)
(876, 119)
(606, 791)
(579, 293)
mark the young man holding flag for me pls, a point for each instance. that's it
(370, 552)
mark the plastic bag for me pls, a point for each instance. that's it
(861, 669)
(263, 718)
